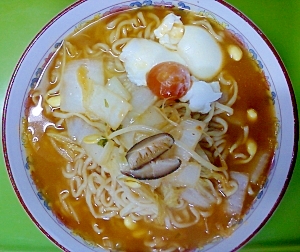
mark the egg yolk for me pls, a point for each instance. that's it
(169, 80)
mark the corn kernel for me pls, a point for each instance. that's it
(139, 233)
(129, 223)
(252, 114)
(251, 147)
(54, 101)
(91, 139)
(235, 52)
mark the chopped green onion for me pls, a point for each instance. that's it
(102, 142)
(106, 103)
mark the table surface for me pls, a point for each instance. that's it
(20, 20)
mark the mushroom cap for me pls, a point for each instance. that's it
(148, 149)
(155, 169)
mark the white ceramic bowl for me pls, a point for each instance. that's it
(33, 62)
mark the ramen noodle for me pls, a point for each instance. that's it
(151, 129)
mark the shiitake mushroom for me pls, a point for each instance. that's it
(143, 158)
(155, 169)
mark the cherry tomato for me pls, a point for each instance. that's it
(169, 80)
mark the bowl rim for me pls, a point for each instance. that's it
(236, 12)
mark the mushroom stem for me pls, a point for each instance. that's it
(148, 149)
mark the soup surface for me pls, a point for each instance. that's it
(101, 95)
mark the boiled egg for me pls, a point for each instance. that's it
(201, 52)
(140, 55)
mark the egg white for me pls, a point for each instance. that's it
(140, 55)
(201, 52)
